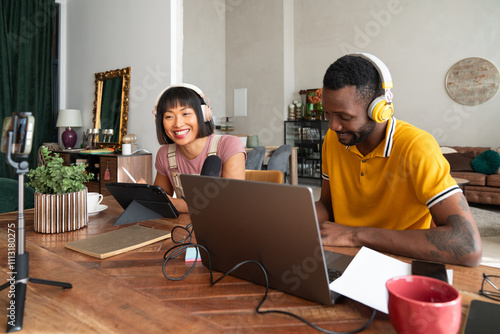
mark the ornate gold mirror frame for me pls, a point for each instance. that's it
(111, 105)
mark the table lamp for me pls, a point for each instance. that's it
(69, 118)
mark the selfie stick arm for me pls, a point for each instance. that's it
(19, 274)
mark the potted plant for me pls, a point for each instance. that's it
(60, 194)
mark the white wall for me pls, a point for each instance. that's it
(113, 34)
(254, 58)
(419, 41)
(204, 53)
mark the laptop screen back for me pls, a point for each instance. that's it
(273, 224)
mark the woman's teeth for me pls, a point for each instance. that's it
(181, 133)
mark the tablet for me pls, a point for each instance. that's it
(141, 202)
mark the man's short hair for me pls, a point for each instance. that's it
(354, 71)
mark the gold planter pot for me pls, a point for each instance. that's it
(61, 212)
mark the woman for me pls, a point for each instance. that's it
(184, 128)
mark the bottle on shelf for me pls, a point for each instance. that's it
(298, 111)
(227, 125)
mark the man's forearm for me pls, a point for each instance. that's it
(322, 212)
(441, 244)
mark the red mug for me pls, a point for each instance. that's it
(420, 304)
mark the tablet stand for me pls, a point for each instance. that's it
(138, 211)
(20, 269)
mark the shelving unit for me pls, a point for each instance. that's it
(308, 137)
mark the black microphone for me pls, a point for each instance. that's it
(211, 166)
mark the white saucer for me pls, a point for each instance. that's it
(100, 207)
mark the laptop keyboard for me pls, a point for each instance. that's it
(333, 274)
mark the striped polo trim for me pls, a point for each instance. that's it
(443, 195)
(389, 140)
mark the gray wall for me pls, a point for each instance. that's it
(251, 44)
(103, 35)
(204, 54)
(254, 60)
(419, 41)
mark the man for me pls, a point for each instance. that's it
(385, 182)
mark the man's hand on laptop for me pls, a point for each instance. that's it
(334, 234)
(141, 180)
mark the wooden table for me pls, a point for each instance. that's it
(128, 293)
(461, 182)
(294, 172)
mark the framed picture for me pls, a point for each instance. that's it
(313, 95)
(313, 104)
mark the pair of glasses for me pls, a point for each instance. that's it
(490, 287)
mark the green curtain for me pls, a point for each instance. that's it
(26, 34)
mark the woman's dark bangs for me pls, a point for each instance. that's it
(179, 97)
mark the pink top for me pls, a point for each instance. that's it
(228, 146)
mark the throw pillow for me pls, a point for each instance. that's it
(460, 162)
(447, 150)
(497, 149)
(487, 162)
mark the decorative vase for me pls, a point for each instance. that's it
(252, 141)
(310, 112)
(61, 212)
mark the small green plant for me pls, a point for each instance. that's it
(54, 178)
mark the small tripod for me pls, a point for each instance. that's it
(20, 268)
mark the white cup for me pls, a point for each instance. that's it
(126, 149)
(93, 201)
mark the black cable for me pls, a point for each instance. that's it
(181, 248)
(189, 238)
(189, 231)
(289, 313)
(174, 253)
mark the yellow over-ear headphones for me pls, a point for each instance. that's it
(205, 108)
(380, 109)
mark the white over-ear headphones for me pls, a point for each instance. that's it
(380, 109)
(205, 108)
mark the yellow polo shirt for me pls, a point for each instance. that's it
(392, 187)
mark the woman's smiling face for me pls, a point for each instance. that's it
(181, 124)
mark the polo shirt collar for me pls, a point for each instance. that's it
(389, 141)
(389, 137)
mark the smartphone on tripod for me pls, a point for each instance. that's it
(22, 125)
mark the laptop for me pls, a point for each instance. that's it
(273, 224)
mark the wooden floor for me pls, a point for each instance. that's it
(128, 293)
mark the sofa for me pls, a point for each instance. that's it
(483, 187)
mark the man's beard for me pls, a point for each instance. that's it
(360, 135)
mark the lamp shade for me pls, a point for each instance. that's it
(69, 118)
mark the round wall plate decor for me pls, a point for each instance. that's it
(472, 81)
